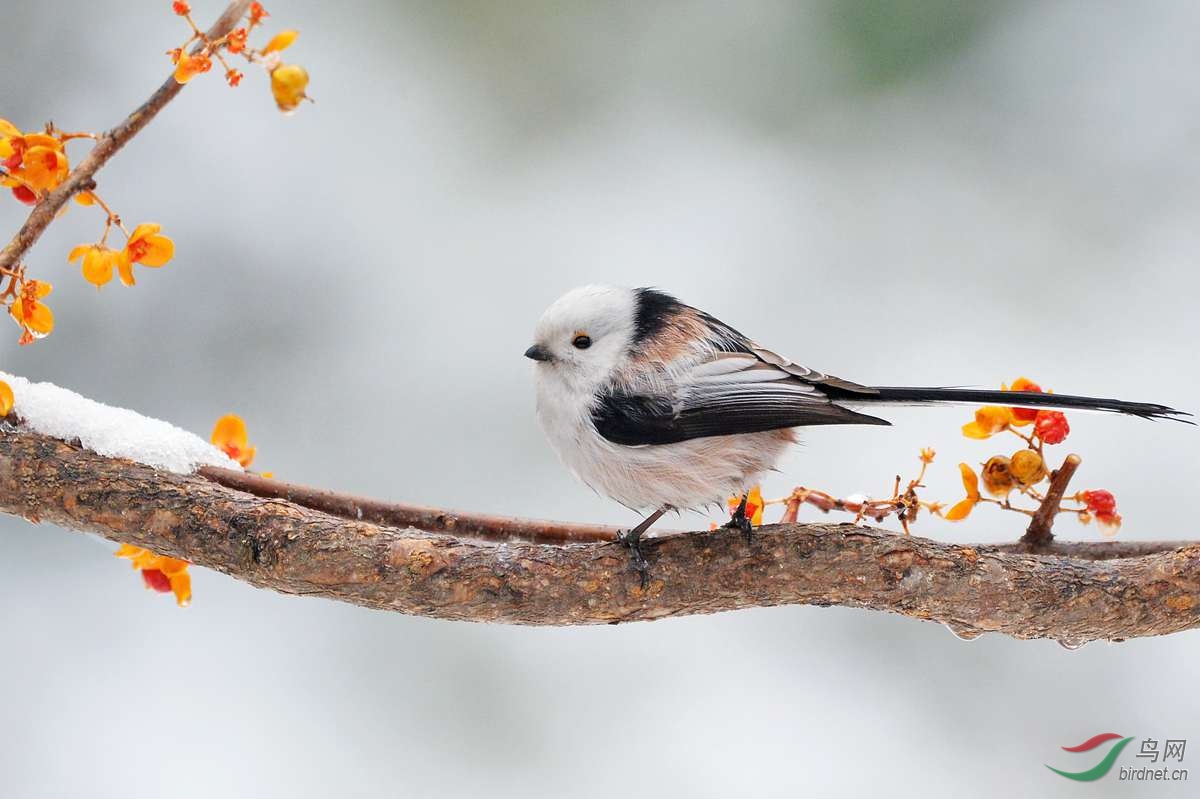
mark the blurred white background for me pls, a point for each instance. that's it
(911, 192)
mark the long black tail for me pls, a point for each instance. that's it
(897, 395)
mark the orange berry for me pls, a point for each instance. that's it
(190, 66)
(160, 573)
(155, 580)
(146, 246)
(236, 42)
(229, 435)
(97, 262)
(989, 420)
(963, 508)
(281, 41)
(288, 82)
(1027, 467)
(997, 476)
(33, 316)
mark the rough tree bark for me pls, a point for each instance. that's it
(1075, 593)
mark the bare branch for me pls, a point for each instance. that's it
(82, 176)
(1039, 532)
(1080, 592)
(398, 514)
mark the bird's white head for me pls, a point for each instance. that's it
(585, 336)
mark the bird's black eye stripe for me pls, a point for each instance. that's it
(581, 341)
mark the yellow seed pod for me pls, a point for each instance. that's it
(997, 476)
(1027, 467)
(282, 41)
(288, 82)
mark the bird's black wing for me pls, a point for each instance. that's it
(731, 394)
(745, 388)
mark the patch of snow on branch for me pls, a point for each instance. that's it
(112, 432)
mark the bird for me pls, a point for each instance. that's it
(663, 407)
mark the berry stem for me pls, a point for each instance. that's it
(1039, 532)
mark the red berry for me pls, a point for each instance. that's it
(1100, 502)
(1110, 523)
(24, 194)
(156, 580)
(1051, 426)
(1024, 414)
(1027, 414)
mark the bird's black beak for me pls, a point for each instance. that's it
(537, 353)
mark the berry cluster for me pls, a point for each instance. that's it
(288, 81)
(1023, 472)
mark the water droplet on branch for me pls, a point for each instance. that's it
(963, 632)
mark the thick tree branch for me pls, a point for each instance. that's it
(82, 177)
(1079, 593)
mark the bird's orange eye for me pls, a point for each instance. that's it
(581, 341)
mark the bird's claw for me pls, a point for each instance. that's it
(742, 524)
(741, 521)
(747, 529)
(633, 540)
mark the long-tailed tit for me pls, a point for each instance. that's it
(661, 406)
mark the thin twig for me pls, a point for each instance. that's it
(1039, 532)
(398, 514)
(107, 145)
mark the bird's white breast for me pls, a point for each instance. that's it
(687, 474)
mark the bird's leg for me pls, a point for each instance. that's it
(633, 538)
(740, 520)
